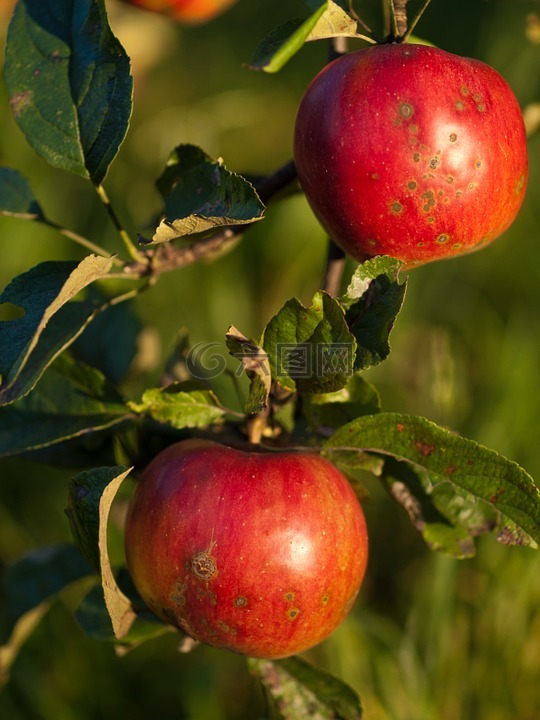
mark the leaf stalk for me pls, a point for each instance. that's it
(131, 248)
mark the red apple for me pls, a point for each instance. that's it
(186, 11)
(410, 151)
(259, 553)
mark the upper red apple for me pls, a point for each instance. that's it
(186, 11)
(260, 553)
(410, 151)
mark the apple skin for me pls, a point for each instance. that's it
(259, 553)
(189, 12)
(410, 151)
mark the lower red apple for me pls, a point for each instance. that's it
(411, 151)
(259, 553)
(185, 11)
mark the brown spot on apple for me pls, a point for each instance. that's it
(520, 184)
(405, 110)
(178, 596)
(203, 566)
(428, 197)
(224, 627)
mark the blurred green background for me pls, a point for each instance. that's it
(430, 638)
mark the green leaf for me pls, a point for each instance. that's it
(69, 84)
(34, 579)
(355, 466)
(310, 349)
(280, 45)
(83, 508)
(186, 404)
(71, 399)
(110, 342)
(471, 470)
(201, 194)
(16, 196)
(256, 365)
(373, 301)
(328, 411)
(314, 4)
(327, 21)
(439, 530)
(415, 40)
(29, 344)
(304, 692)
(90, 496)
(24, 627)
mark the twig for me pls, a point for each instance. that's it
(398, 14)
(335, 264)
(269, 185)
(80, 240)
(167, 257)
(130, 295)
